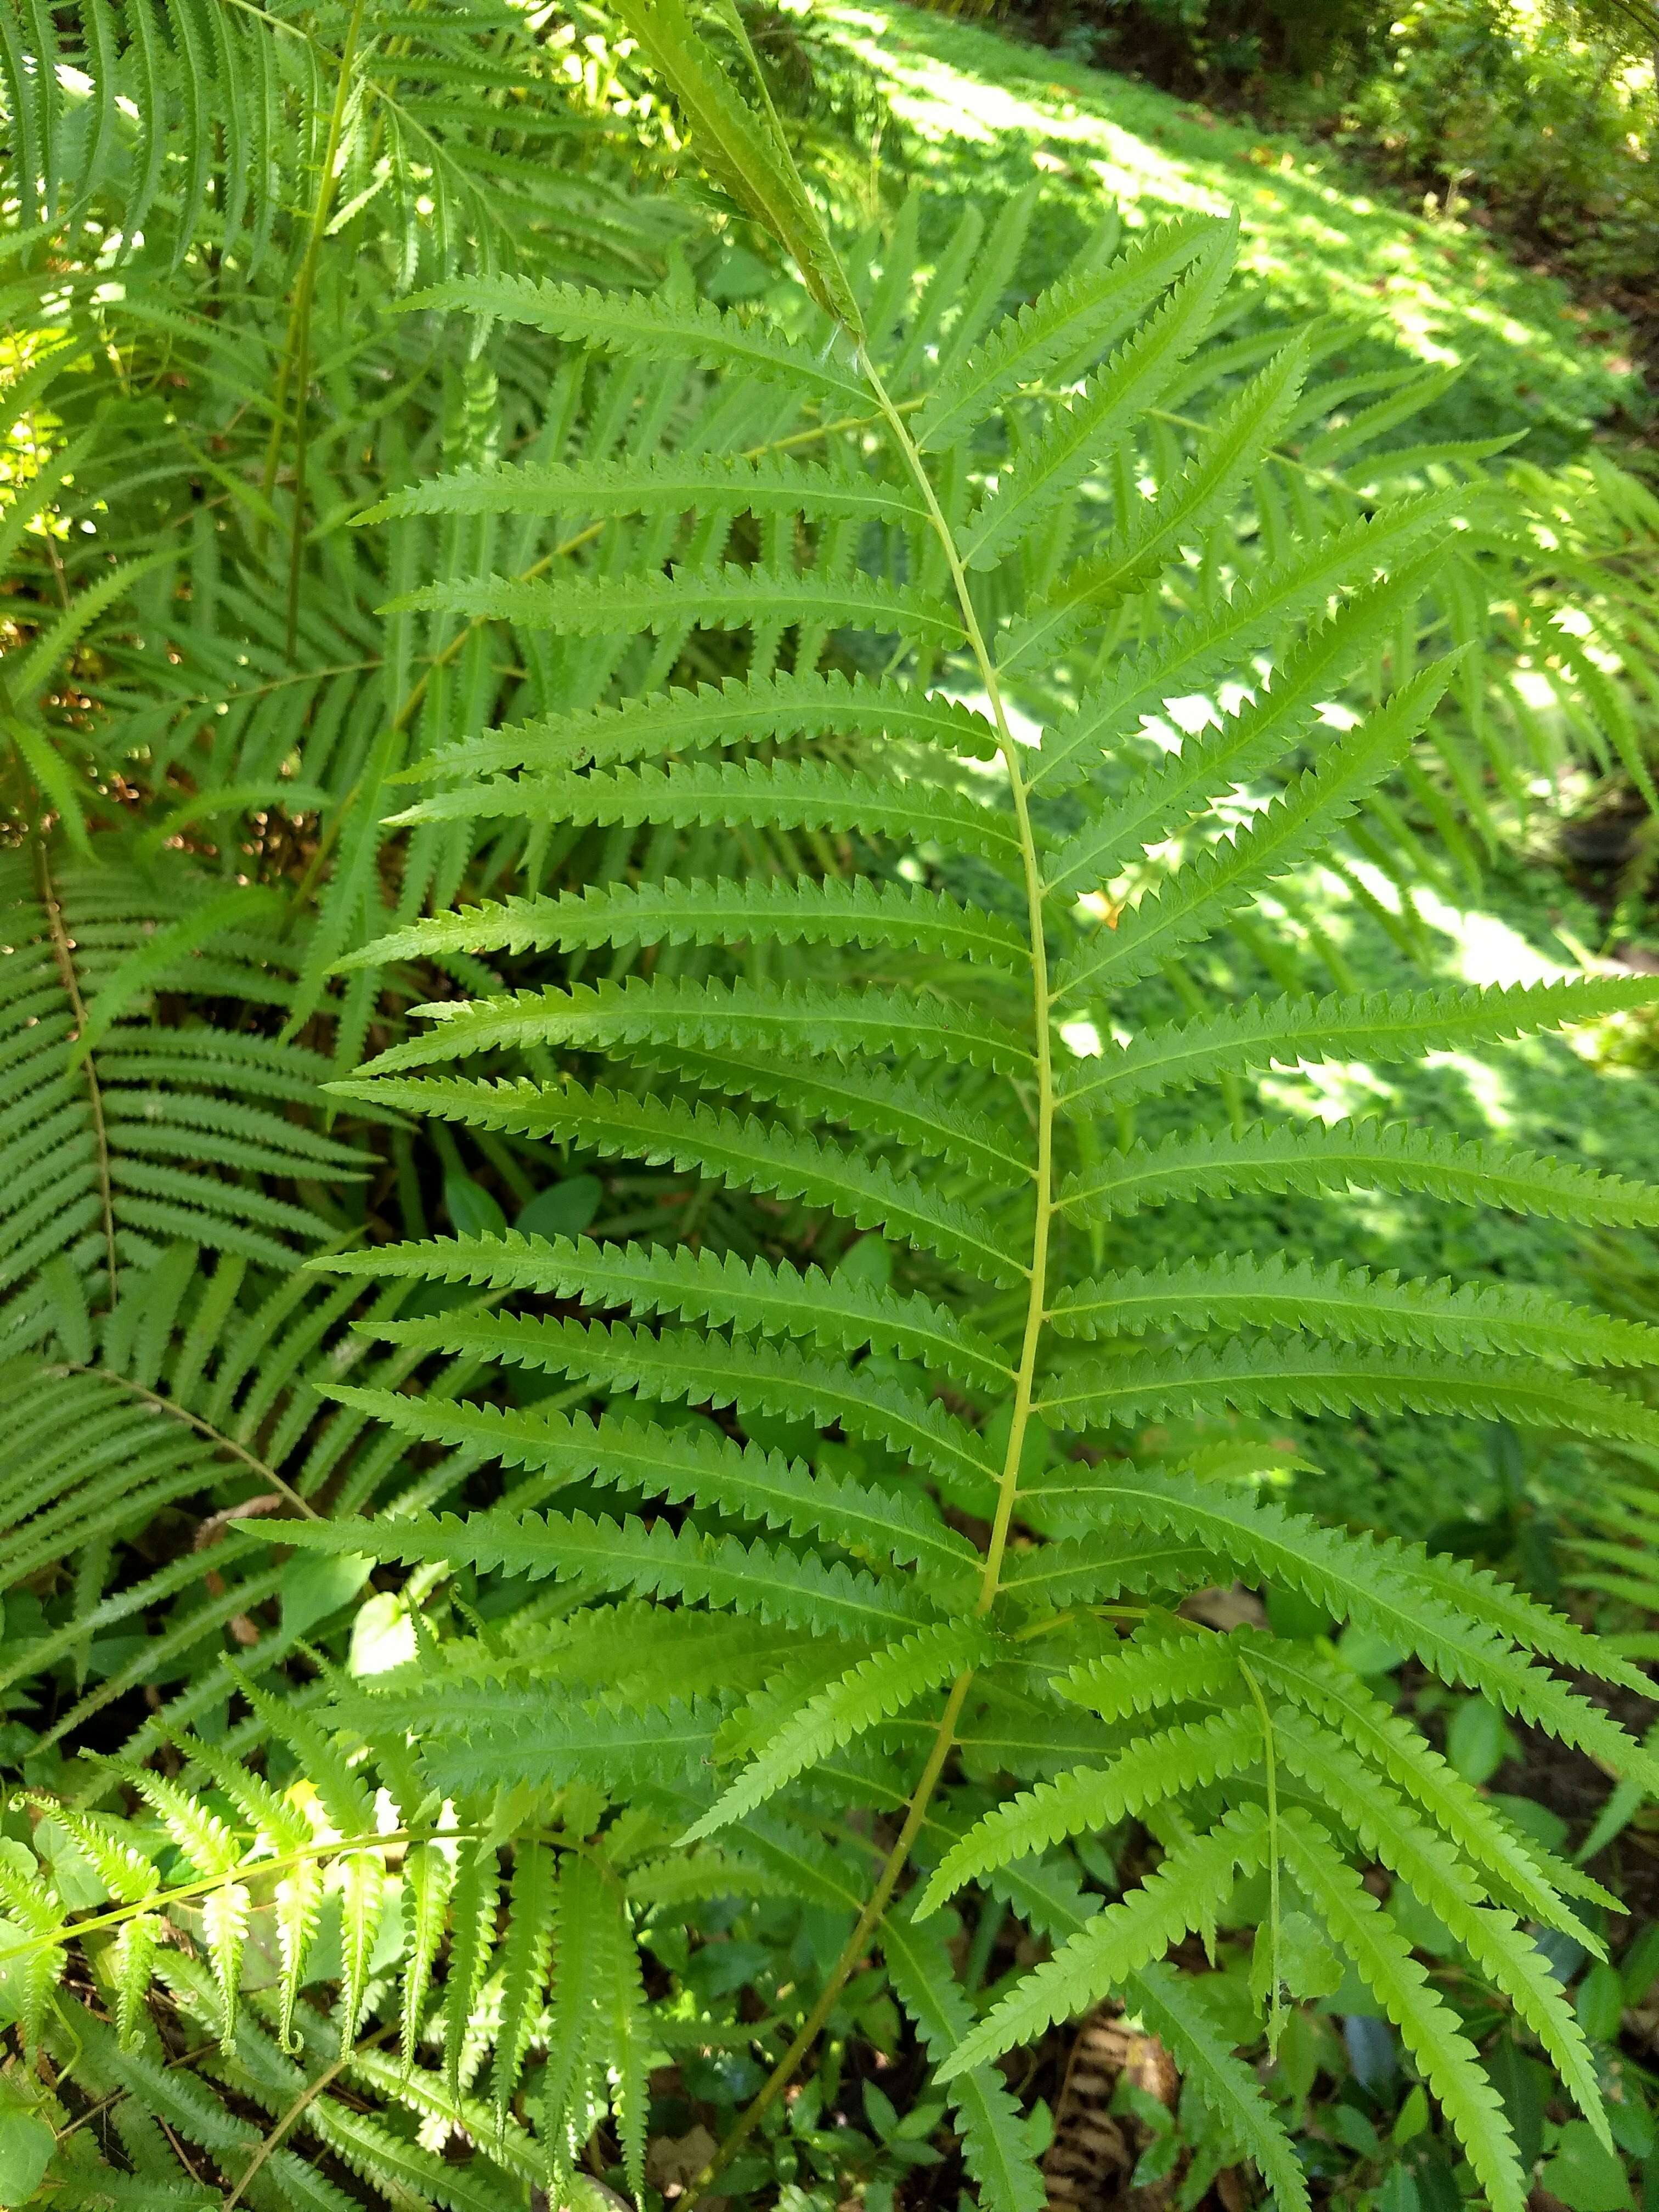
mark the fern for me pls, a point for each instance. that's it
(931, 1623)
(840, 925)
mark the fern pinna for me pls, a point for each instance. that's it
(901, 1533)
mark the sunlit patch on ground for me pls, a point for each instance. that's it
(993, 113)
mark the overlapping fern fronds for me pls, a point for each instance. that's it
(125, 1132)
(211, 125)
(805, 1625)
(891, 889)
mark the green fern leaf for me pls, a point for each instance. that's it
(653, 328)
(1154, 532)
(475, 1744)
(835, 912)
(1141, 1386)
(1351, 1305)
(1192, 1882)
(429, 1878)
(1147, 1770)
(664, 1010)
(1339, 1698)
(1162, 1670)
(747, 1154)
(1079, 316)
(1378, 1027)
(1387, 1831)
(752, 1296)
(1365, 1580)
(869, 1693)
(1172, 2006)
(1358, 1155)
(779, 1585)
(1430, 2030)
(734, 712)
(1200, 894)
(473, 1902)
(686, 1463)
(716, 483)
(1083, 434)
(765, 794)
(1161, 800)
(730, 597)
(676, 1364)
(995, 2147)
(1189, 655)
(919, 1116)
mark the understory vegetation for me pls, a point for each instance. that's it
(827, 1041)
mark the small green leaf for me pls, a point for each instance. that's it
(1601, 2003)
(1584, 2176)
(472, 1208)
(27, 2142)
(1412, 2117)
(564, 1209)
(1478, 1742)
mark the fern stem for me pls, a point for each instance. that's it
(63, 954)
(1036, 1315)
(297, 2111)
(214, 1436)
(852, 1951)
(160, 1900)
(1036, 1305)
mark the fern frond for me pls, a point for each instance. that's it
(738, 711)
(865, 1095)
(1223, 879)
(1080, 315)
(869, 1693)
(730, 597)
(751, 1297)
(1379, 1027)
(1173, 2007)
(1193, 1881)
(1142, 1386)
(1427, 2024)
(1358, 1155)
(1351, 1305)
(1082, 435)
(1189, 655)
(1162, 1670)
(705, 1370)
(655, 328)
(1388, 1830)
(1154, 532)
(765, 794)
(687, 1463)
(1339, 1698)
(1147, 1770)
(838, 911)
(827, 1598)
(707, 1016)
(723, 484)
(1161, 799)
(746, 1154)
(1365, 1580)
(995, 2147)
